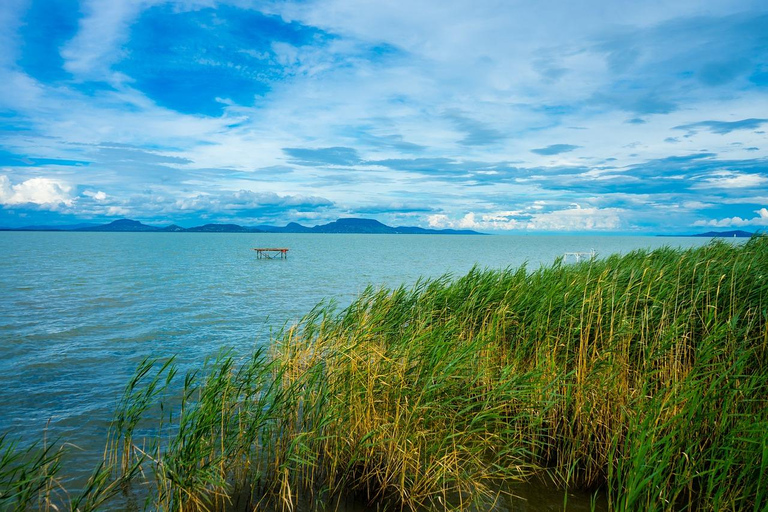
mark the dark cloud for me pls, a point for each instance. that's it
(323, 156)
(395, 142)
(332, 179)
(555, 149)
(636, 120)
(549, 70)
(634, 99)
(723, 127)
(710, 49)
(723, 72)
(672, 175)
(477, 133)
(622, 58)
(416, 164)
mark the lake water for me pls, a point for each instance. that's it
(78, 311)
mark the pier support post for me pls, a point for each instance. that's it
(271, 253)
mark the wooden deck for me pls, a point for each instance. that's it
(271, 253)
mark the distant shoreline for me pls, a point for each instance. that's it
(346, 225)
(341, 226)
(719, 234)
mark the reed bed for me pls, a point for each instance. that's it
(642, 378)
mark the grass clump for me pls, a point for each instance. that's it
(641, 377)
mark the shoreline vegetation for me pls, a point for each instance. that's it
(640, 378)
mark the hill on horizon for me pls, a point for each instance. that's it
(350, 225)
(726, 234)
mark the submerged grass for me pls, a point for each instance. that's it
(642, 377)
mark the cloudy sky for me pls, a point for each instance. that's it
(617, 116)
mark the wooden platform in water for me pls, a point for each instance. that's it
(272, 253)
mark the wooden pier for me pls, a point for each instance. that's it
(272, 253)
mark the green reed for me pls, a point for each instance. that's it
(641, 377)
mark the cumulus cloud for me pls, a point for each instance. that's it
(438, 220)
(736, 222)
(96, 195)
(117, 211)
(578, 219)
(44, 192)
(476, 133)
(575, 218)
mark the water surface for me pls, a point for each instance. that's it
(78, 311)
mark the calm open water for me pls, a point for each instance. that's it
(78, 311)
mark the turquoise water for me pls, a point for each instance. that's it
(78, 311)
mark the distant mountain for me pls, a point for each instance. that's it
(222, 228)
(295, 227)
(173, 228)
(291, 227)
(354, 226)
(726, 234)
(125, 225)
(346, 225)
(364, 226)
(69, 227)
(134, 226)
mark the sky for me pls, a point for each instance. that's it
(611, 116)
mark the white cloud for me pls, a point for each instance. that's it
(438, 221)
(98, 196)
(104, 26)
(38, 191)
(736, 222)
(9, 21)
(732, 179)
(246, 199)
(114, 211)
(696, 205)
(18, 90)
(577, 219)
(570, 219)
(468, 222)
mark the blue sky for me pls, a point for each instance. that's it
(502, 116)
